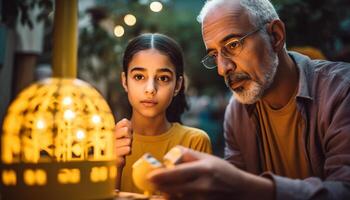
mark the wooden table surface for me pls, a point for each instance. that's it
(136, 196)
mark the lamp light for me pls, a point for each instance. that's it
(57, 139)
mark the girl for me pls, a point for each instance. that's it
(153, 78)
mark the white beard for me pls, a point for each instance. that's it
(255, 89)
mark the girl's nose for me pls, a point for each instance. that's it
(150, 87)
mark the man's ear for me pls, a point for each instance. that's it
(124, 82)
(277, 32)
(178, 85)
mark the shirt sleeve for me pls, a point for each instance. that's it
(232, 152)
(201, 142)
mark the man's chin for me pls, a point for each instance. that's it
(244, 100)
(245, 97)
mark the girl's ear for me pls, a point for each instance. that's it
(124, 82)
(178, 85)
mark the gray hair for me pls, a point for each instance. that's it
(260, 11)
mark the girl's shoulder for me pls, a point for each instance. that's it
(188, 130)
(192, 137)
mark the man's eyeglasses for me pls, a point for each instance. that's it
(232, 48)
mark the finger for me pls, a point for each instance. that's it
(123, 151)
(122, 123)
(199, 185)
(123, 142)
(191, 187)
(190, 155)
(123, 132)
(179, 154)
(180, 174)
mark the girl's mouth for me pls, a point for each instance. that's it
(149, 103)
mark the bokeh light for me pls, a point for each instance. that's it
(156, 6)
(130, 20)
(119, 31)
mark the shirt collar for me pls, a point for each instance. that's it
(305, 71)
(305, 74)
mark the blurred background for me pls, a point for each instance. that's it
(317, 28)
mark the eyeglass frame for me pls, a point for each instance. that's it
(239, 42)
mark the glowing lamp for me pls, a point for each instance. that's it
(58, 143)
(58, 140)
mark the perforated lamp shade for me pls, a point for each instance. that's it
(57, 143)
(57, 140)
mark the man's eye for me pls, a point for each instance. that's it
(232, 45)
(213, 55)
(138, 77)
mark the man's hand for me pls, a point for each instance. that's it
(202, 176)
(123, 135)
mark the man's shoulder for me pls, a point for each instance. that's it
(332, 69)
(321, 68)
(331, 78)
(319, 77)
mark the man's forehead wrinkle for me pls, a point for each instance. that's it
(229, 14)
(212, 27)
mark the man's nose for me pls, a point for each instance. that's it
(224, 64)
(150, 87)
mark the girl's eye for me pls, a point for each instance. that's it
(164, 78)
(138, 77)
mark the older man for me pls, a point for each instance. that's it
(287, 127)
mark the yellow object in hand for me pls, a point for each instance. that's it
(141, 168)
(172, 158)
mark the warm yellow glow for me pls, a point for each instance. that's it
(40, 124)
(29, 177)
(9, 177)
(34, 177)
(156, 6)
(130, 20)
(68, 176)
(68, 115)
(96, 119)
(119, 31)
(99, 174)
(67, 101)
(39, 134)
(42, 132)
(58, 135)
(80, 135)
(113, 172)
(40, 177)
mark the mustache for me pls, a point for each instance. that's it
(231, 78)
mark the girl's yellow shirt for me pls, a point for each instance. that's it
(159, 145)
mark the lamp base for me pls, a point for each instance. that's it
(73, 180)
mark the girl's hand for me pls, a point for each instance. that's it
(123, 135)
